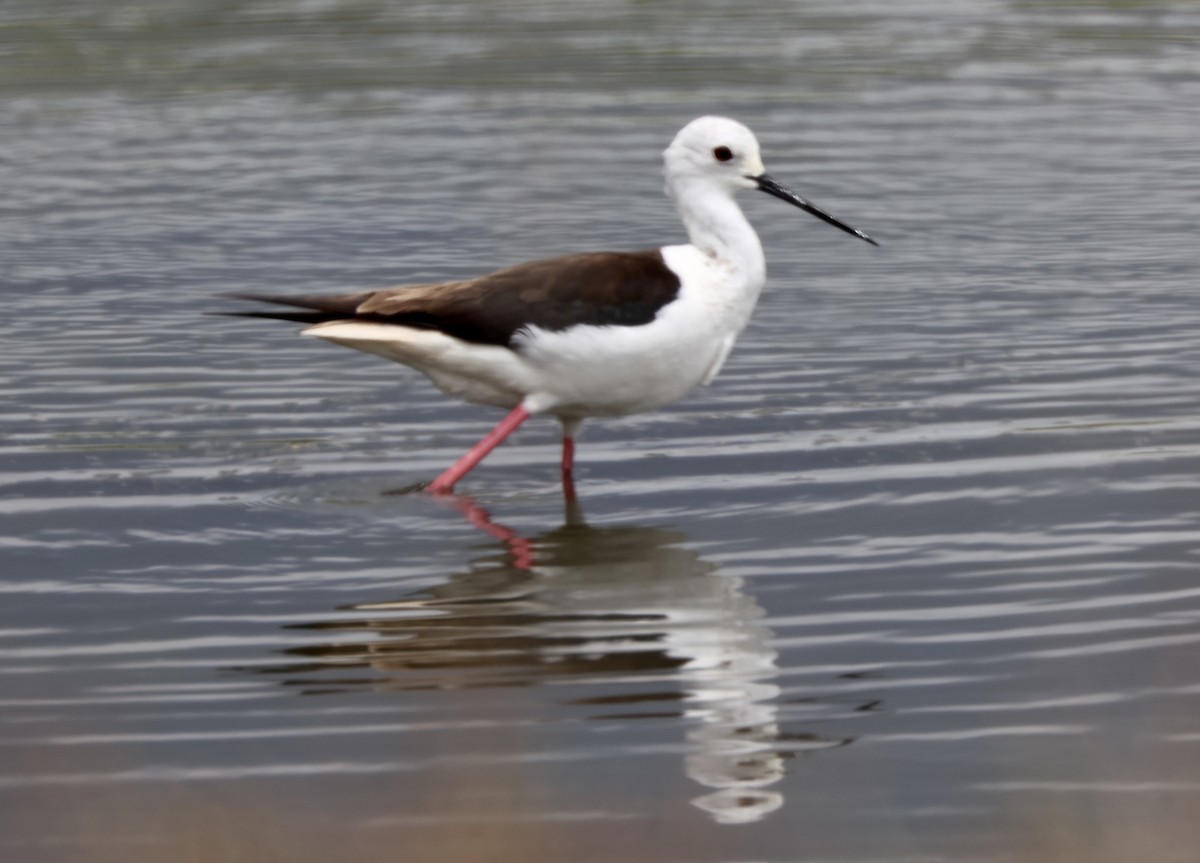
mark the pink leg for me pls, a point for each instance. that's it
(568, 459)
(570, 425)
(445, 483)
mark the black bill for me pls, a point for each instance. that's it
(769, 186)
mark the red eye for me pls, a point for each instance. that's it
(722, 154)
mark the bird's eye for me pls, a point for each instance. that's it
(722, 154)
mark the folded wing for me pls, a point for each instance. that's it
(597, 289)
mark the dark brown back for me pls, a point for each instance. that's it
(598, 288)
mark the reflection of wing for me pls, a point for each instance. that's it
(608, 610)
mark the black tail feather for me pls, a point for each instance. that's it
(321, 308)
(297, 317)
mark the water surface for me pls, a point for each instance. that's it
(914, 579)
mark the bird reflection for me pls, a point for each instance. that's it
(630, 608)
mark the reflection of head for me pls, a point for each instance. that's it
(740, 805)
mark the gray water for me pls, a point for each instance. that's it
(915, 579)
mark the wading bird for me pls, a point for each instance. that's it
(596, 334)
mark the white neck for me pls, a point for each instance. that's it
(717, 227)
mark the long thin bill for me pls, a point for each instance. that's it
(769, 186)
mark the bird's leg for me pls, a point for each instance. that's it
(445, 483)
(568, 456)
(568, 468)
(570, 426)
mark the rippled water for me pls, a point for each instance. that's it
(915, 579)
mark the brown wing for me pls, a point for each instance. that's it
(599, 288)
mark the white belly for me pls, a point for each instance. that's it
(582, 371)
(612, 371)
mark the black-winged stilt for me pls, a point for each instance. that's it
(587, 335)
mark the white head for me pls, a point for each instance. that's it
(715, 148)
(720, 153)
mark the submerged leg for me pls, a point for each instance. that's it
(570, 426)
(477, 453)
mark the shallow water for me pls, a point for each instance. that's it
(915, 579)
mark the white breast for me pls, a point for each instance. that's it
(616, 370)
